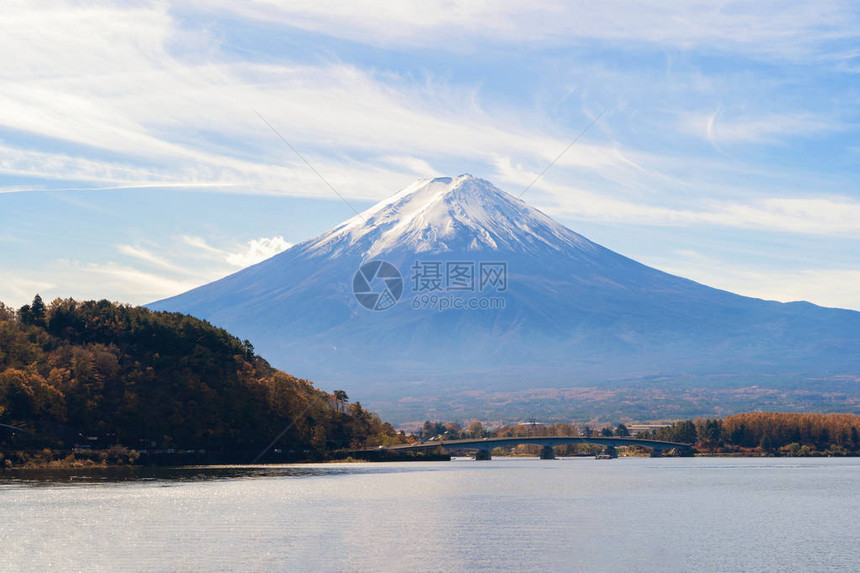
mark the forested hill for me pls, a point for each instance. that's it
(125, 375)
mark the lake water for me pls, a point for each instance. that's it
(633, 514)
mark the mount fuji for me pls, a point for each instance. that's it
(453, 299)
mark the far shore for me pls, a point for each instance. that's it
(70, 462)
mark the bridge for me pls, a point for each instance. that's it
(483, 446)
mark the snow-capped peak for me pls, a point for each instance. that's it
(449, 213)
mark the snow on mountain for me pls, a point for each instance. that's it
(447, 214)
(572, 313)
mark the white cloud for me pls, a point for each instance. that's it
(250, 253)
(149, 273)
(258, 250)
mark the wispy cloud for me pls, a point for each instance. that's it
(84, 281)
(140, 274)
(770, 28)
(19, 290)
(148, 257)
(803, 215)
(718, 128)
(110, 79)
(825, 286)
(113, 278)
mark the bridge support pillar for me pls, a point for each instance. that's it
(483, 456)
(656, 453)
(547, 453)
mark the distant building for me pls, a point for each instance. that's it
(636, 429)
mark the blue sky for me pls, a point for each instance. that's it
(133, 164)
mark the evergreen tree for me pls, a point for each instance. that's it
(25, 315)
(340, 399)
(683, 432)
(710, 433)
(33, 313)
(37, 310)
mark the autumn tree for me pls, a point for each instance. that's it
(475, 430)
(131, 376)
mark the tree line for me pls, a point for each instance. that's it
(794, 434)
(103, 373)
(791, 434)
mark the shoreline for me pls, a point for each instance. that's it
(66, 464)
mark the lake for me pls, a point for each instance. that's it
(581, 514)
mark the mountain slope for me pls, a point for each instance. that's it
(574, 313)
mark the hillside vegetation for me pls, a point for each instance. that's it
(106, 374)
(785, 433)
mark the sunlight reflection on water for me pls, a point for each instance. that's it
(578, 514)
